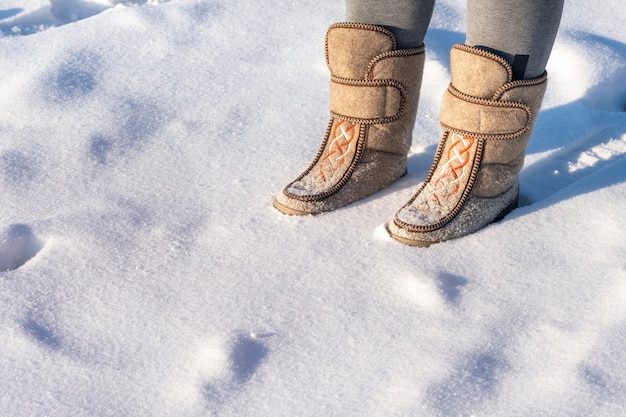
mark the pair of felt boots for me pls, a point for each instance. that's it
(487, 118)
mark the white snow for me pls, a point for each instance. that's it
(145, 272)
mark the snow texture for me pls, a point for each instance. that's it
(145, 272)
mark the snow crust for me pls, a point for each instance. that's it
(145, 272)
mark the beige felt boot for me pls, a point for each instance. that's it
(487, 120)
(374, 91)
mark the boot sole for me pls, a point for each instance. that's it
(411, 242)
(424, 244)
(289, 211)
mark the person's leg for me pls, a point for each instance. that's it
(523, 32)
(487, 114)
(408, 20)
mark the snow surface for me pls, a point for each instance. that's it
(146, 273)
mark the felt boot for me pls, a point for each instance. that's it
(374, 91)
(487, 120)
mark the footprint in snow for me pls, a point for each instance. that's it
(40, 330)
(139, 121)
(570, 164)
(475, 380)
(18, 244)
(247, 352)
(75, 77)
(584, 136)
(594, 377)
(450, 286)
(17, 168)
(420, 292)
(205, 11)
(432, 294)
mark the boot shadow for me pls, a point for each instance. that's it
(584, 137)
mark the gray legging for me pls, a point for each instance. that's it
(523, 32)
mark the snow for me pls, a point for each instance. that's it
(145, 272)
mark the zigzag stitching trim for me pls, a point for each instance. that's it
(392, 54)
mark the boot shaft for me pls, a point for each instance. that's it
(373, 84)
(484, 103)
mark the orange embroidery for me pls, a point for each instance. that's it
(340, 145)
(458, 156)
